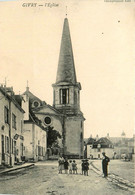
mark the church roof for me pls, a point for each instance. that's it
(33, 98)
(66, 67)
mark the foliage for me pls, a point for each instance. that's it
(52, 137)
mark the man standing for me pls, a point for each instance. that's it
(105, 161)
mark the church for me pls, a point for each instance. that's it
(65, 114)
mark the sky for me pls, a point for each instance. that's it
(102, 36)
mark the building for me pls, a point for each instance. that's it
(66, 98)
(95, 148)
(65, 114)
(123, 146)
(34, 132)
(11, 128)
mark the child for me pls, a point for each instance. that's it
(74, 167)
(82, 167)
(86, 167)
(61, 162)
(70, 167)
(66, 164)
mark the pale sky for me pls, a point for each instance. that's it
(103, 43)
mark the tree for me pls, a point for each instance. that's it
(52, 136)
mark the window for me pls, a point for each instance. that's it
(7, 144)
(81, 124)
(36, 104)
(6, 115)
(13, 121)
(12, 146)
(2, 142)
(47, 120)
(64, 96)
(21, 126)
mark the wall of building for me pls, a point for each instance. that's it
(14, 151)
(56, 122)
(35, 142)
(4, 127)
(28, 142)
(74, 136)
(40, 145)
(95, 153)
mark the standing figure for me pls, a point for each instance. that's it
(70, 167)
(61, 163)
(82, 167)
(86, 167)
(66, 164)
(105, 161)
(74, 167)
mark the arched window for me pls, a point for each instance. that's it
(64, 96)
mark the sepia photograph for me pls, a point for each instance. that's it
(67, 90)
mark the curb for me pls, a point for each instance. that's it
(120, 182)
(16, 168)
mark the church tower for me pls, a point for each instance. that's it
(66, 97)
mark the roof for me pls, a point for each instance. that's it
(32, 116)
(35, 120)
(66, 68)
(103, 142)
(32, 97)
(90, 140)
(19, 99)
(12, 98)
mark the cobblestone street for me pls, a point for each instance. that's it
(44, 179)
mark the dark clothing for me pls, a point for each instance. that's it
(86, 166)
(82, 166)
(104, 165)
(66, 164)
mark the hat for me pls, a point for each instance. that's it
(103, 153)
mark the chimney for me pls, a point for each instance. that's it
(25, 106)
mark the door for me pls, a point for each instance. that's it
(15, 152)
(2, 146)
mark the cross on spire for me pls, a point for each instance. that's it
(27, 88)
(66, 11)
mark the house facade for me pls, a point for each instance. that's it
(11, 128)
(95, 148)
(34, 132)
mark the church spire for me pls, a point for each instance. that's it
(66, 67)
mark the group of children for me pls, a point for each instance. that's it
(71, 166)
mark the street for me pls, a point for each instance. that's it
(44, 179)
(117, 166)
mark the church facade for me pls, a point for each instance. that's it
(65, 114)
